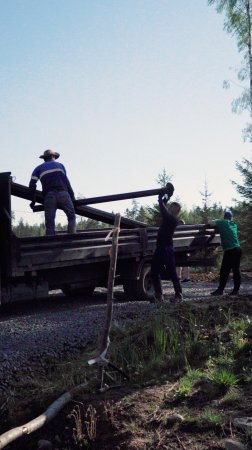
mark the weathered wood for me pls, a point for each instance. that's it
(111, 279)
(34, 424)
(29, 427)
(101, 359)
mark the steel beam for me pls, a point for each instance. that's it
(116, 197)
(86, 211)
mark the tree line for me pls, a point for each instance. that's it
(198, 214)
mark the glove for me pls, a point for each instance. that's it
(166, 198)
(163, 198)
(32, 204)
(160, 197)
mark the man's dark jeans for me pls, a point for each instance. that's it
(231, 261)
(164, 260)
(62, 200)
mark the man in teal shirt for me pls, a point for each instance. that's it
(232, 253)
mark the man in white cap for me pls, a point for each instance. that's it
(56, 189)
(227, 228)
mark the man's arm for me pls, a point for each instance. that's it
(162, 202)
(70, 190)
(212, 223)
(69, 187)
(32, 188)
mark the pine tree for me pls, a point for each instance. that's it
(238, 23)
(243, 209)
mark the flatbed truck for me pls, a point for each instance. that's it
(77, 263)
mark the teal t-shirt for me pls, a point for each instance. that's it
(228, 233)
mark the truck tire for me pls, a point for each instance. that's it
(74, 291)
(141, 289)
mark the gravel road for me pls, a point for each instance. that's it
(33, 332)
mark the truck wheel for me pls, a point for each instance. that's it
(74, 291)
(141, 289)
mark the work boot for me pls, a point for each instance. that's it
(178, 298)
(234, 292)
(185, 280)
(157, 298)
(217, 292)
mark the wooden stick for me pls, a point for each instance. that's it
(111, 279)
(101, 358)
(110, 288)
(38, 422)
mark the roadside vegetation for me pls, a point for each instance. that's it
(190, 369)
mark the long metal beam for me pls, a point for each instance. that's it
(116, 197)
(86, 211)
(111, 198)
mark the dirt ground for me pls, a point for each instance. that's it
(143, 416)
(137, 418)
(153, 418)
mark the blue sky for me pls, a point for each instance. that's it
(122, 89)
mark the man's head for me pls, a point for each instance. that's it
(228, 214)
(49, 155)
(174, 208)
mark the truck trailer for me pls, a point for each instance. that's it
(77, 263)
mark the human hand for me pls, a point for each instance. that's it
(160, 196)
(166, 198)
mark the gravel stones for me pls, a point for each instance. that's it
(28, 339)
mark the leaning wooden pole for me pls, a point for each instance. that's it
(110, 300)
(101, 359)
(111, 280)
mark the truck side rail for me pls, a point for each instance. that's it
(38, 253)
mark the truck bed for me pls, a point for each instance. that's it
(85, 247)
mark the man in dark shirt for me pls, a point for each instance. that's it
(56, 189)
(164, 256)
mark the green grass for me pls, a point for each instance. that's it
(211, 417)
(223, 378)
(186, 383)
(187, 346)
(233, 397)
